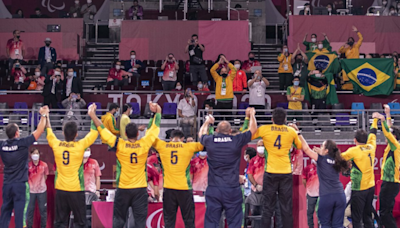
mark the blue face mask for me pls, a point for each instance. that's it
(203, 153)
(296, 83)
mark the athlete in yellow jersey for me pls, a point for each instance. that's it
(362, 175)
(389, 170)
(278, 140)
(70, 187)
(131, 167)
(175, 159)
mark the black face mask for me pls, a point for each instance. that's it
(350, 43)
(251, 59)
(299, 60)
(47, 44)
(224, 75)
(18, 37)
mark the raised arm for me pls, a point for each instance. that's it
(204, 128)
(373, 131)
(42, 123)
(304, 145)
(388, 116)
(253, 121)
(213, 71)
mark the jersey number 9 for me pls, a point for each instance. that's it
(133, 158)
(174, 157)
(65, 157)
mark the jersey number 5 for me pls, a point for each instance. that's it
(65, 157)
(174, 157)
(278, 142)
(133, 158)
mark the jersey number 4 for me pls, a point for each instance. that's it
(278, 142)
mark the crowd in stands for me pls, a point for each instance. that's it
(378, 8)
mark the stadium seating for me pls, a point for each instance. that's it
(135, 110)
(98, 105)
(357, 107)
(243, 105)
(169, 110)
(394, 106)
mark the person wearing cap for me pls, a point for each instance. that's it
(91, 173)
(47, 56)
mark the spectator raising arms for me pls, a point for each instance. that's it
(187, 113)
(313, 45)
(117, 76)
(285, 70)
(257, 87)
(18, 73)
(170, 68)
(300, 65)
(72, 103)
(240, 81)
(351, 49)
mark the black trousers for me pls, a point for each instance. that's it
(198, 73)
(67, 202)
(285, 80)
(15, 197)
(134, 198)
(311, 203)
(41, 198)
(362, 209)
(225, 105)
(318, 103)
(389, 191)
(174, 199)
(51, 99)
(283, 184)
(168, 85)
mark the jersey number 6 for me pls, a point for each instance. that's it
(174, 157)
(133, 157)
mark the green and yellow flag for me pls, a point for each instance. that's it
(327, 62)
(320, 88)
(370, 76)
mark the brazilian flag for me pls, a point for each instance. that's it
(321, 87)
(370, 77)
(327, 62)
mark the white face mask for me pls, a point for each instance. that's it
(35, 157)
(133, 56)
(130, 113)
(237, 66)
(87, 154)
(57, 72)
(179, 87)
(117, 67)
(318, 75)
(285, 50)
(70, 74)
(77, 2)
(260, 149)
(200, 86)
(329, 9)
(245, 158)
(207, 108)
(313, 40)
(203, 153)
(89, 1)
(384, 3)
(116, 114)
(37, 74)
(320, 46)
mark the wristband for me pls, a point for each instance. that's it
(389, 118)
(44, 115)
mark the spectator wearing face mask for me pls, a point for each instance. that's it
(240, 81)
(38, 14)
(256, 168)
(47, 56)
(314, 44)
(300, 65)
(257, 86)
(331, 10)
(202, 88)
(222, 65)
(311, 183)
(187, 113)
(306, 10)
(91, 173)
(57, 65)
(38, 172)
(295, 96)
(75, 10)
(318, 96)
(71, 84)
(249, 154)
(73, 103)
(392, 11)
(117, 76)
(249, 64)
(170, 68)
(18, 73)
(125, 120)
(134, 66)
(199, 172)
(285, 70)
(178, 87)
(39, 79)
(109, 120)
(15, 48)
(224, 84)
(51, 87)
(351, 49)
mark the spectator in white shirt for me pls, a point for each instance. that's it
(187, 113)
(257, 86)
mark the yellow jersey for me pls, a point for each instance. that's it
(353, 52)
(278, 141)
(132, 157)
(391, 157)
(175, 160)
(69, 160)
(110, 123)
(285, 63)
(223, 86)
(363, 157)
(125, 120)
(297, 93)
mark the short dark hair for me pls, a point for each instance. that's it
(37, 9)
(296, 77)
(314, 34)
(250, 53)
(131, 131)
(113, 106)
(279, 116)
(70, 130)
(307, 4)
(329, 4)
(11, 130)
(177, 133)
(209, 102)
(361, 136)
(116, 61)
(15, 31)
(396, 132)
(136, 1)
(126, 107)
(133, 51)
(195, 35)
(251, 152)
(237, 60)
(33, 150)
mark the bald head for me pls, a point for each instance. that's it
(224, 70)
(224, 127)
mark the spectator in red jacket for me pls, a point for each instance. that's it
(248, 64)
(117, 76)
(18, 72)
(240, 81)
(202, 87)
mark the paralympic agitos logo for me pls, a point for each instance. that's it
(50, 7)
(154, 220)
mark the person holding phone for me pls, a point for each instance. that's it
(197, 67)
(72, 103)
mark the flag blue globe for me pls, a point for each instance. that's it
(321, 62)
(366, 77)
